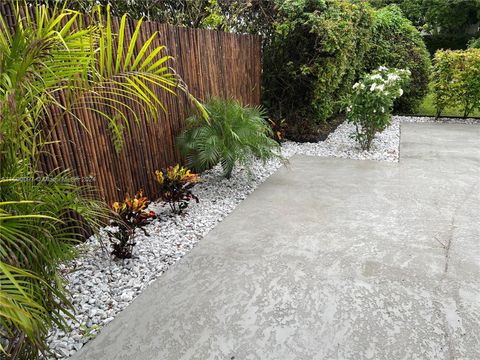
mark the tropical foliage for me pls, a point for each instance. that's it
(44, 55)
(372, 102)
(396, 43)
(176, 183)
(456, 80)
(131, 215)
(233, 134)
(36, 233)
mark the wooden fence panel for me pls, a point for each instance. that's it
(211, 63)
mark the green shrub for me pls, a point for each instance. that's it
(176, 183)
(396, 43)
(130, 216)
(456, 80)
(438, 16)
(233, 133)
(474, 43)
(314, 56)
(372, 101)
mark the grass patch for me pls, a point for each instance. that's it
(427, 108)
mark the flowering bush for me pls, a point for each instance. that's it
(456, 80)
(176, 183)
(131, 216)
(372, 100)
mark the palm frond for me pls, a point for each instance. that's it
(34, 238)
(130, 76)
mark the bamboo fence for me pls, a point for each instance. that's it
(211, 63)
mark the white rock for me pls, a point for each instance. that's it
(107, 320)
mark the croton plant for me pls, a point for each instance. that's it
(131, 216)
(176, 183)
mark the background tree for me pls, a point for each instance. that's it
(412, 9)
(396, 43)
(314, 56)
(241, 16)
(448, 24)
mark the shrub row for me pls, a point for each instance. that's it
(456, 80)
(319, 48)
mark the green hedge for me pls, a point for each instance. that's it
(313, 58)
(456, 80)
(397, 43)
(319, 48)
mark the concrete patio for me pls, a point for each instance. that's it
(328, 259)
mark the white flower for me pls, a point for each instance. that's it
(349, 108)
(376, 76)
(356, 85)
(393, 77)
(383, 109)
(381, 87)
(362, 86)
(401, 92)
(374, 111)
(382, 68)
(372, 88)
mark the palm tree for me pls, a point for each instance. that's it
(47, 55)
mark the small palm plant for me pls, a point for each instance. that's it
(232, 134)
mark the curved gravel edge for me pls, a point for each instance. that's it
(102, 287)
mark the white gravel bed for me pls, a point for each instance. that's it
(341, 144)
(102, 287)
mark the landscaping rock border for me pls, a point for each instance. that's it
(102, 287)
